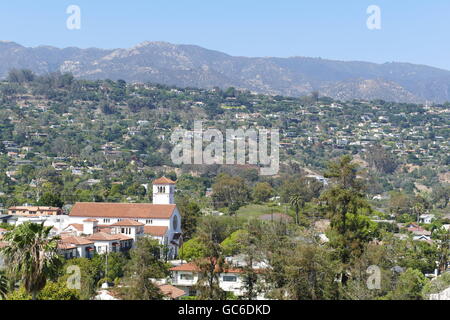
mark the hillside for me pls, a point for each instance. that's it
(193, 66)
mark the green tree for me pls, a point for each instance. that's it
(303, 271)
(91, 271)
(297, 201)
(230, 192)
(262, 192)
(250, 245)
(409, 286)
(58, 291)
(190, 213)
(210, 268)
(32, 254)
(192, 249)
(232, 245)
(51, 200)
(144, 265)
(347, 209)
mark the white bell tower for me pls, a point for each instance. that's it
(163, 191)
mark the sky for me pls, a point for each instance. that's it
(414, 31)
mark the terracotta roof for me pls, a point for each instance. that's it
(192, 267)
(102, 236)
(123, 210)
(164, 180)
(65, 246)
(105, 229)
(155, 231)
(77, 226)
(171, 291)
(90, 220)
(76, 240)
(34, 208)
(185, 267)
(127, 223)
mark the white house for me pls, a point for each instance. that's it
(84, 248)
(105, 242)
(426, 218)
(186, 276)
(160, 219)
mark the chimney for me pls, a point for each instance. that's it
(90, 226)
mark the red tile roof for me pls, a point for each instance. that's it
(66, 246)
(164, 180)
(127, 223)
(192, 267)
(76, 240)
(102, 236)
(123, 210)
(77, 226)
(155, 231)
(171, 291)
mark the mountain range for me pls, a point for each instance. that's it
(194, 66)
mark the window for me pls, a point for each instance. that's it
(229, 278)
(175, 222)
(106, 220)
(186, 276)
(148, 221)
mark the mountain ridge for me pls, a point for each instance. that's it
(187, 65)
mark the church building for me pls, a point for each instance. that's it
(160, 220)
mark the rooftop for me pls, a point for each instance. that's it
(164, 180)
(123, 210)
(155, 231)
(127, 223)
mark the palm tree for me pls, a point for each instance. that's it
(32, 255)
(297, 202)
(3, 285)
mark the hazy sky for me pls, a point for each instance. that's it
(415, 31)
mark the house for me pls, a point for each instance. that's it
(160, 220)
(34, 211)
(186, 276)
(83, 248)
(426, 218)
(423, 238)
(417, 230)
(105, 242)
(67, 250)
